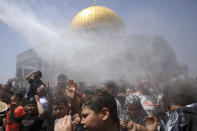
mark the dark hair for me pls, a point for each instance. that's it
(97, 99)
(58, 100)
(179, 93)
(112, 85)
(39, 73)
(61, 77)
(20, 96)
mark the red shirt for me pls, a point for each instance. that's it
(14, 126)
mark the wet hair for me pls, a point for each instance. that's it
(98, 99)
(178, 93)
(111, 84)
(39, 73)
(61, 77)
(58, 100)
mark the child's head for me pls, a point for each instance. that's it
(31, 106)
(61, 81)
(37, 75)
(60, 107)
(99, 110)
(133, 106)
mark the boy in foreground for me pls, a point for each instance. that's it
(99, 113)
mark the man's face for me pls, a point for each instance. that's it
(90, 120)
(60, 110)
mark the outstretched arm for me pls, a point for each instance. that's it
(49, 97)
(72, 88)
(41, 111)
(72, 96)
(30, 74)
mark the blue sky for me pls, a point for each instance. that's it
(176, 20)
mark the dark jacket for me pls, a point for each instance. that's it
(182, 119)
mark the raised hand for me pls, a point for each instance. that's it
(35, 71)
(131, 126)
(140, 127)
(77, 119)
(123, 125)
(72, 88)
(151, 123)
(64, 124)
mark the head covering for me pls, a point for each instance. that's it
(132, 99)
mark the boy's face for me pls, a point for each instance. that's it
(32, 108)
(90, 120)
(132, 110)
(36, 77)
(60, 110)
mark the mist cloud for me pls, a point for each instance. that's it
(84, 58)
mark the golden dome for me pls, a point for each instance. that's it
(95, 17)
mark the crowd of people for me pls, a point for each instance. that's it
(109, 106)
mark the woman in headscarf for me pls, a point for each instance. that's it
(134, 115)
(134, 109)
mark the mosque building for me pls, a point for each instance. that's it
(97, 19)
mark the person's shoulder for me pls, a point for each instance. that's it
(19, 111)
(190, 110)
(19, 108)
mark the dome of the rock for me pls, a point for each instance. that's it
(97, 17)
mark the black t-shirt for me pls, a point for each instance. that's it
(29, 122)
(33, 87)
